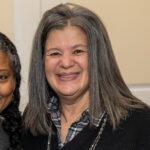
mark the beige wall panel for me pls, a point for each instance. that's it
(128, 25)
(6, 17)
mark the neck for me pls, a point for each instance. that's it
(73, 108)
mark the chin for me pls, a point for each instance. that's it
(67, 93)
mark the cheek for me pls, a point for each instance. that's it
(7, 89)
(50, 67)
(83, 63)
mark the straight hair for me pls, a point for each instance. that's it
(108, 90)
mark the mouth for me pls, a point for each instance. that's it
(68, 76)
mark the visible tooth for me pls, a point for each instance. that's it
(67, 76)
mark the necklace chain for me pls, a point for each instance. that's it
(94, 144)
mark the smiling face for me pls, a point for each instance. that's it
(7, 81)
(66, 62)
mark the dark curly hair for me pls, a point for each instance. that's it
(12, 123)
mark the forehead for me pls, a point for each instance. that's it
(4, 60)
(67, 36)
(67, 31)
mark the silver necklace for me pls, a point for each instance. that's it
(93, 146)
(97, 139)
(49, 141)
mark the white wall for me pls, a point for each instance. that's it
(142, 91)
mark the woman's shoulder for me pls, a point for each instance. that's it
(141, 114)
(141, 121)
(138, 120)
(28, 136)
(34, 142)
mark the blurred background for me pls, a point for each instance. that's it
(127, 23)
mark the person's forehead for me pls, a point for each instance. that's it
(4, 59)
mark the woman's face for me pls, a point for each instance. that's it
(7, 81)
(66, 62)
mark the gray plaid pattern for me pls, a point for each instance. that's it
(74, 129)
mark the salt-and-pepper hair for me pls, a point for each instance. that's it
(107, 88)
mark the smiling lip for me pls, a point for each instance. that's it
(68, 76)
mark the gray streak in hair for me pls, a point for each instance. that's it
(108, 90)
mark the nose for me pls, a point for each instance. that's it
(67, 61)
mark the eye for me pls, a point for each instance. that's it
(78, 52)
(3, 77)
(54, 54)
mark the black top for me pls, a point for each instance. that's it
(4, 139)
(132, 134)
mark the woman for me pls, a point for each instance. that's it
(77, 97)
(10, 117)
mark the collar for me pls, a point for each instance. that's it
(53, 109)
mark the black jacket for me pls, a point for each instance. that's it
(132, 134)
